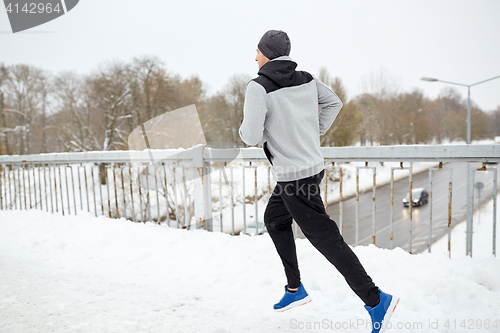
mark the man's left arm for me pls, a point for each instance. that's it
(330, 105)
(254, 114)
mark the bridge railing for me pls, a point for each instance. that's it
(226, 190)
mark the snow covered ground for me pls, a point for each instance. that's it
(87, 274)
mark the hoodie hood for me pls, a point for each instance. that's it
(280, 70)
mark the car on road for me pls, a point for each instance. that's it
(252, 230)
(419, 197)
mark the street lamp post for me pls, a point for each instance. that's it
(469, 190)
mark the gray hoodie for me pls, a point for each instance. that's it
(281, 111)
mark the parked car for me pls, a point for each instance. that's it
(419, 196)
(252, 231)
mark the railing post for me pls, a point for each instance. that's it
(373, 202)
(494, 250)
(202, 193)
(468, 250)
(410, 205)
(450, 187)
(207, 195)
(469, 238)
(341, 203)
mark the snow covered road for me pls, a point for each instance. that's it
(87, 274)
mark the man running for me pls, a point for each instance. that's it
(281, 112)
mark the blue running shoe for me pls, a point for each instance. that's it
(291, 300)
(381, 314)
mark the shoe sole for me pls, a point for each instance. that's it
(388, 314)
(300, 302)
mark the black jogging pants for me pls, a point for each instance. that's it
(301, 200)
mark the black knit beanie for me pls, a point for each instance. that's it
(274, 43)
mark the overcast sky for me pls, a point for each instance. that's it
(452, 40)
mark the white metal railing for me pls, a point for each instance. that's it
(179, 187)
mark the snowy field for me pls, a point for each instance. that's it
(87, 274)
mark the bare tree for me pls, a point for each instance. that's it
(39, 113)
(75, 118)
(190, 91)
(495, 122)
(433, 122)
(154, 91)
(4, 76)
(217, 129)
(370, 107)
(455, 113)
(404, 111)
(234, 93)
(44, 92)
(150, 88)
(25, 91)
(379, 90)
(109, 92)
(480, 124)
(381, 84)
(345, 128)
